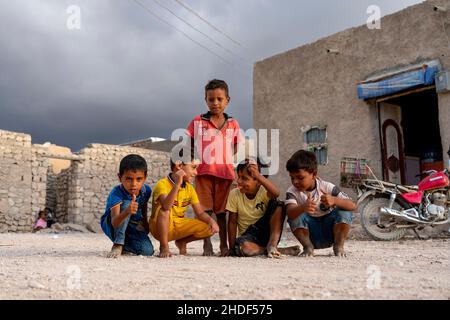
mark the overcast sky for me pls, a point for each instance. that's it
(126, 75)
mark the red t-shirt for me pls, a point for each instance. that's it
(215, 145)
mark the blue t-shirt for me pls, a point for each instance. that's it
(120, 195)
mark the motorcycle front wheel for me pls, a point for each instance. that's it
(378, 225)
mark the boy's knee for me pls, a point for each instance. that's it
(147, 251)
(248, 249)
(344, 217)
(301, 222)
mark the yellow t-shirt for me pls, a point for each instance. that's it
(186, 196)
(249, 210)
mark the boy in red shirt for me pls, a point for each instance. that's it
(215, 136)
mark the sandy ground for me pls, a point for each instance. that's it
(74, 266)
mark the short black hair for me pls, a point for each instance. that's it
(302, 159)
(217, 84)
(246, 163)
(186, 154)
(133, 162)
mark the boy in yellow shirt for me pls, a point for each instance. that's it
(257, 214)
(171, 198)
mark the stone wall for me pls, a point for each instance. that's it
(84, 187)
(39, 172)
(16, 182)
(77, 194)
(62, 182)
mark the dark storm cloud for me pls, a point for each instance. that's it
(126, 76)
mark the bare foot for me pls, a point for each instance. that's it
(307, 252)
(290, 251)
(208, 248)
(181, 245)
(339, 251)
(164, 253)
(272, 252)
(223, 251)
(115, 252)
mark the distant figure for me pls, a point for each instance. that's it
(40, 223)
(49, 217)
(125, 219)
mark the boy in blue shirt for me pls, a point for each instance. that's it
(125, 219)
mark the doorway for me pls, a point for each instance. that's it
(419, 137)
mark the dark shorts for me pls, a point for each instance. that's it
(321, 228)
(259, 232)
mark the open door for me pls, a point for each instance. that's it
(393, 153)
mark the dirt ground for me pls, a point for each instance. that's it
(74, 266)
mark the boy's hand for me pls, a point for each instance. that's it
(178, 176)
(327, 200)
(310, 206)
(253, 170)
(134, 206)
(213, 226)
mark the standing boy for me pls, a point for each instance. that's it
(215, 136)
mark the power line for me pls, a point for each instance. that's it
(193, 27)
(183, 33)
(181, 3)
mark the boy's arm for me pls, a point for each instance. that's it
(162, 226)
(144, 215)
(344, 204)
(167, 200)
(206, 218)
(272, 190)
(117, 217)
(294, 210)
(232, 227)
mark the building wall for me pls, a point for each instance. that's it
(308, 86)
(444, 119)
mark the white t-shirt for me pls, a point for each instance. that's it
(294, 196)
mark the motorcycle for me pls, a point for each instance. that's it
(388, 210)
